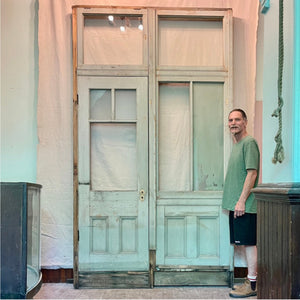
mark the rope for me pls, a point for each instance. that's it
(279, 151)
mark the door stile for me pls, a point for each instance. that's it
(75, 151)
(152, 128)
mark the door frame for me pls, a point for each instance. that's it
(155, 74)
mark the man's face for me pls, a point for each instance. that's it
(236, 123)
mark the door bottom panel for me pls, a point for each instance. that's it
(201, 276)
(114, 280)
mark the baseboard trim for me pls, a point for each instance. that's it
(66, 275)
(57, 275)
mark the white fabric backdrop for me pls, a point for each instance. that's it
(55, 106)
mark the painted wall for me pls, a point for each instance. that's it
(19, 79)
(273, 173)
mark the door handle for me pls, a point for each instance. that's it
(142, 195)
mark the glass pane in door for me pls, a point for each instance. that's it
(113, 157)
(125, 104)
(208, 136)
(174, 137)
(100, 104)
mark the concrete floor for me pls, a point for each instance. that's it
(67, 291)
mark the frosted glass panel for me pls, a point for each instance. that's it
(174, 138)
(208, 136)
(113, 157)
(106, 43)
(125, 104)
(100, 104)
(190, 43)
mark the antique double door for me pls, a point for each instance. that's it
(150, 146)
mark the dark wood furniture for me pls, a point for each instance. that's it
(278, 241)
(20, 240)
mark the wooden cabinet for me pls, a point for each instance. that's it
(20, 240)
(278, 240)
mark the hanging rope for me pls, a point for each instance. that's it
(279, 151)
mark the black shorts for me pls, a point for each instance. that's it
(243, 229)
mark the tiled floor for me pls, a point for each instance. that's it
(67, 291)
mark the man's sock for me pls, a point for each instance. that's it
(252, 280)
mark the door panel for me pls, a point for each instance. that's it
(113, 174)
(190, 220)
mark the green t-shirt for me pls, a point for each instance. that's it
(244, 156)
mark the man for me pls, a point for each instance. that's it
(242, 176)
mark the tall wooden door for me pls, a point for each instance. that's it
(194, 96)
(113, 178)
(192, 228)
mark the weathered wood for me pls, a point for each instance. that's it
(278, 240)
(114, 280)
(75, 150)
(193, 277)
(157, 201)
(152, 264)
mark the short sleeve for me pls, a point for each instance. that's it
(251, 155)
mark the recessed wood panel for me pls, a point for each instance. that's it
(128, 234)
(99, 235)
(207, 231)
(175, 237)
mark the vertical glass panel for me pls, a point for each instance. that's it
(33, 237)
(197, 42)
(125, 104)
(113, 157)
(100, 104)
(208, 136)
(174, 137)
(115, 42)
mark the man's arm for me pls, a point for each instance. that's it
(239, 209)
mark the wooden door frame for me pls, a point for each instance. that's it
(154, 73)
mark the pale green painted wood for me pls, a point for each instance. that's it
(113, 225)
(188, 235)
(191, 212)
(192, 229)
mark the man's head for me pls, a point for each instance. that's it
(237, 122)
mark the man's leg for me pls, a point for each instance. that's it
(249, 287)
(251, 257)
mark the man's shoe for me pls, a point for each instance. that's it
(238, 285)
(243, 291)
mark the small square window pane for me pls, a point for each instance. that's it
(125, 104)
(100, 104)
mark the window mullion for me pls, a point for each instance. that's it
(191, 138)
